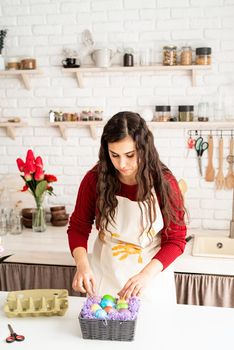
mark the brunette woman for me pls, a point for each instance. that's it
(138, 210)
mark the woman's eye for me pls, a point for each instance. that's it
(114, 155)
(130, 155)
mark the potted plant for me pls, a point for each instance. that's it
(3, 33)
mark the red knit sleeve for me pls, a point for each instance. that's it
(173, 238)
(83, 216)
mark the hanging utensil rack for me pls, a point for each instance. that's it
(218, 132)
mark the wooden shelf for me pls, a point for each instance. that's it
(92, 125)
(225, 125)
(23, 74)
(79, 72)
(10, 128)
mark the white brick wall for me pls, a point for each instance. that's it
(41, 28)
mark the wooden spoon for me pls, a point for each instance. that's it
(210, 172)
(220, 180)
(229, 179)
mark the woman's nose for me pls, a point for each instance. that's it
(122, 163)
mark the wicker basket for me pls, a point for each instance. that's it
(107, 329)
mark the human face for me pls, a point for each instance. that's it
(123, 155)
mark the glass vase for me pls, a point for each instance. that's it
(39, 218)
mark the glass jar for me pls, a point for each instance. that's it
(162, 113)
(186, 56)
(186, 113)
(15, 222)
(169, 55)
(128, 59)
(203, 55)
(203, 112)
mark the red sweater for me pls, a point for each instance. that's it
(82, 219)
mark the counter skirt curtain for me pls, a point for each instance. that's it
(207, 290)
(15, 276)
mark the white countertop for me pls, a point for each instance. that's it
(181, 327)
(51, 247)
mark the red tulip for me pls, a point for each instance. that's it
(33, 174)
(39, 174)
(20, 164)
(25, 188)
(39, 162)
(30, 167)
(30, 156)
(50, 178)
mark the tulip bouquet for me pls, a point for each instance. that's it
(37, 183)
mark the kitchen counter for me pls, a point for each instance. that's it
(51, 248)
(179, 327)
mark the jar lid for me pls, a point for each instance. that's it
(169, 47)
(203, 50)
(186, 48)
(187, 108)
(162, 108)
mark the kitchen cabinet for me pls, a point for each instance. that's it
(80, 72)
(19, 276)
(23, 74)
(10, 127)
(204, 289)
(191, 289)
(45, 260)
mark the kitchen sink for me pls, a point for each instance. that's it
(217, 247)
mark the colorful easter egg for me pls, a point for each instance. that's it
(95, 307)
(100, 314)
(109, 309)
(122, 306)
(106, 302)
(121, 301)
(108, 297)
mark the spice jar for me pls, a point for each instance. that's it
(186, 113)
(186, 56)
(203, 55)
(128, 59)
(169, 55)
(162, 113)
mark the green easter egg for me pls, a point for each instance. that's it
(108, 297)
(122, 306)
(121, 301)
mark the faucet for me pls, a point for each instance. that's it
(230, 160)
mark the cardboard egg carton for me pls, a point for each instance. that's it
(36, 302)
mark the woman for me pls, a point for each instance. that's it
(139, 214)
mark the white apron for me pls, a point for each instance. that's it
(127, 250)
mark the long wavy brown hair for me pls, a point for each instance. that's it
(150, 173)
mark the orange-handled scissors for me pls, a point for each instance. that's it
(14, 337)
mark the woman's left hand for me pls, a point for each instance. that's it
(135, 285)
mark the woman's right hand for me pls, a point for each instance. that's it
(84, 281)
